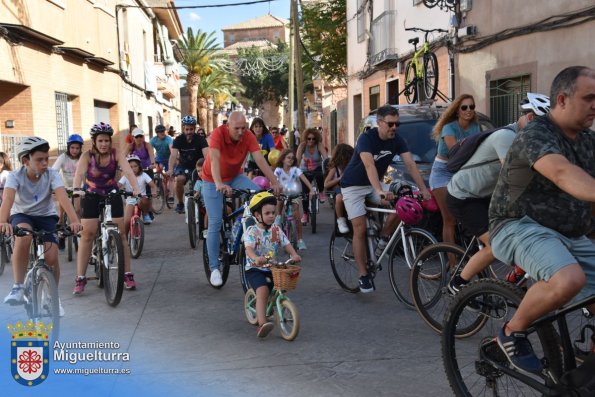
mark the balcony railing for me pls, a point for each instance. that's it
(384, 38)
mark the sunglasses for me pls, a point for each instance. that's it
(311, 139)
(391, 124)
(465, 107)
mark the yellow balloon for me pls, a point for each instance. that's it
(264, 152)
(273, 157)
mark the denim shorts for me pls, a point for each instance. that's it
(47, 223)
(259, 278)
(542, 252)
(440, 175)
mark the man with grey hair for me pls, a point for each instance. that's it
(540, 210)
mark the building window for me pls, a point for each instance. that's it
(361, 21)
(505, 96)
(374, 97)
(63, 120)
(231, 37)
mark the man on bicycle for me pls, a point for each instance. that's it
(28, 200)
(374, 152)
(190, 146)
(541, 211)
(470, 189)
(162, 143)
(222, 171)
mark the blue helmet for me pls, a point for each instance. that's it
(189, 120)
(75, 138)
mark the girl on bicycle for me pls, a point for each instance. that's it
(5, 168)
(339, 160)
(289, 176)
(144, 152)
(66, 164)
(310, 155)
(262, 242)
(100, 165)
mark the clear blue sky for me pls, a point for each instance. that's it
(213, 19)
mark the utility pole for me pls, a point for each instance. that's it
(292, 25)
(299, 76)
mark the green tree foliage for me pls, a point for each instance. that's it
(324, 33)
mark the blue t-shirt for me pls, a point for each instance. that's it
(454, 129)
(161, 147)
(382, 151)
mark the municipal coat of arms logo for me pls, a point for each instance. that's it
(30, 352)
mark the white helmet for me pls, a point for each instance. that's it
(133, 157)
(28, 144)
(536, 103)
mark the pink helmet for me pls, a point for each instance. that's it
(262, 182)
(409, 210)
(431, 204)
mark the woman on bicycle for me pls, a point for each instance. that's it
(310, 155)
(265, 141)
(100, 165)
(339, 160)
(262, 242)
(457, 122)
(66, 164)
(290, 178)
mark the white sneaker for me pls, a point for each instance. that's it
(61, 311)
(16, 296)
(343, 226)
(216, 280)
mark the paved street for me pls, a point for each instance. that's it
(186, 338)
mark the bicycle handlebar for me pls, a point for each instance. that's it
(22, 232)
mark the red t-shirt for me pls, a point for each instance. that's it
(232, 154)
(279, 142)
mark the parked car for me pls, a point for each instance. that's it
(417, 122)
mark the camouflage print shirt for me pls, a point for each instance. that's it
(522, 191)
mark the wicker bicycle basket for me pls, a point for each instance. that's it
(286, 277)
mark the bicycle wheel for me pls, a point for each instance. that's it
(241, 265)
(410, 83)
(166, 193)
(429, 281)
(113, 270)
(250, 306)
(46, 304)
(191, 214)
(313, 212)
(160, 199)
(3, 254)
(290, 230)
(401, 261)
(475, 366)
(430, 75)
(136, 237)
(223, 257)
(343, 262)
(288, 320)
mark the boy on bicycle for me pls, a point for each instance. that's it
(262, 241)
(28, 199)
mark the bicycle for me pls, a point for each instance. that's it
(421, 78)
(72, 245)
(403, 247)
(42, 302)
(136, 230)
(195, 216)
(432, 273)
(288, 219)
(107, 253)
(314, 201)
(478, 366)
(5, 251)
(233, 226)
(285, 277)
(161, 179)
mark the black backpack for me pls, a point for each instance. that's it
(462, 151)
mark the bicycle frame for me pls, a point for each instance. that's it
(399, 231)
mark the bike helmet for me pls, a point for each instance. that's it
(28, 144)
(160, 128)
(189, 120)
(430, 205)
(75, 138)
(536, 103)
(261, 199)
(137, 132)
(409, 210)
(101, 128)
(262, 182)
(133, 157)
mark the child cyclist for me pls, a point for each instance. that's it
(339, 160)
(28, 201)
(289, 177)
(66, 164)
(261, 241)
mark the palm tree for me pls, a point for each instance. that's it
(219, 84)
(199, 58)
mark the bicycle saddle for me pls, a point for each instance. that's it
(413, 41)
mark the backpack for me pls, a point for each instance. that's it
(462, 151)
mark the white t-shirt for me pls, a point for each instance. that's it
(143, 180)
(288, 178)
(34, 198)
(3, 177)
(68, 167)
